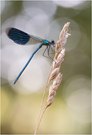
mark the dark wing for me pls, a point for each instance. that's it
(21, 37)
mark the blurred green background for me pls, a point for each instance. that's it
(71, 110)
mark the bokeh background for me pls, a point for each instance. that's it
(71, 110)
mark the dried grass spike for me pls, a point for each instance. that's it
(64, 30)
(54, 88)
(55, 76)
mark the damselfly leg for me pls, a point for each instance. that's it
(47, 51)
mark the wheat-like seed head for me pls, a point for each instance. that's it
(53, 88)
(55, 75)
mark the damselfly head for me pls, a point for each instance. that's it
(52, 42)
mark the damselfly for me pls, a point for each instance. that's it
(23, 38)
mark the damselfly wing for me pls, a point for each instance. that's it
(21, 37)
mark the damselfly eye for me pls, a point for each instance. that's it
(52, 42)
